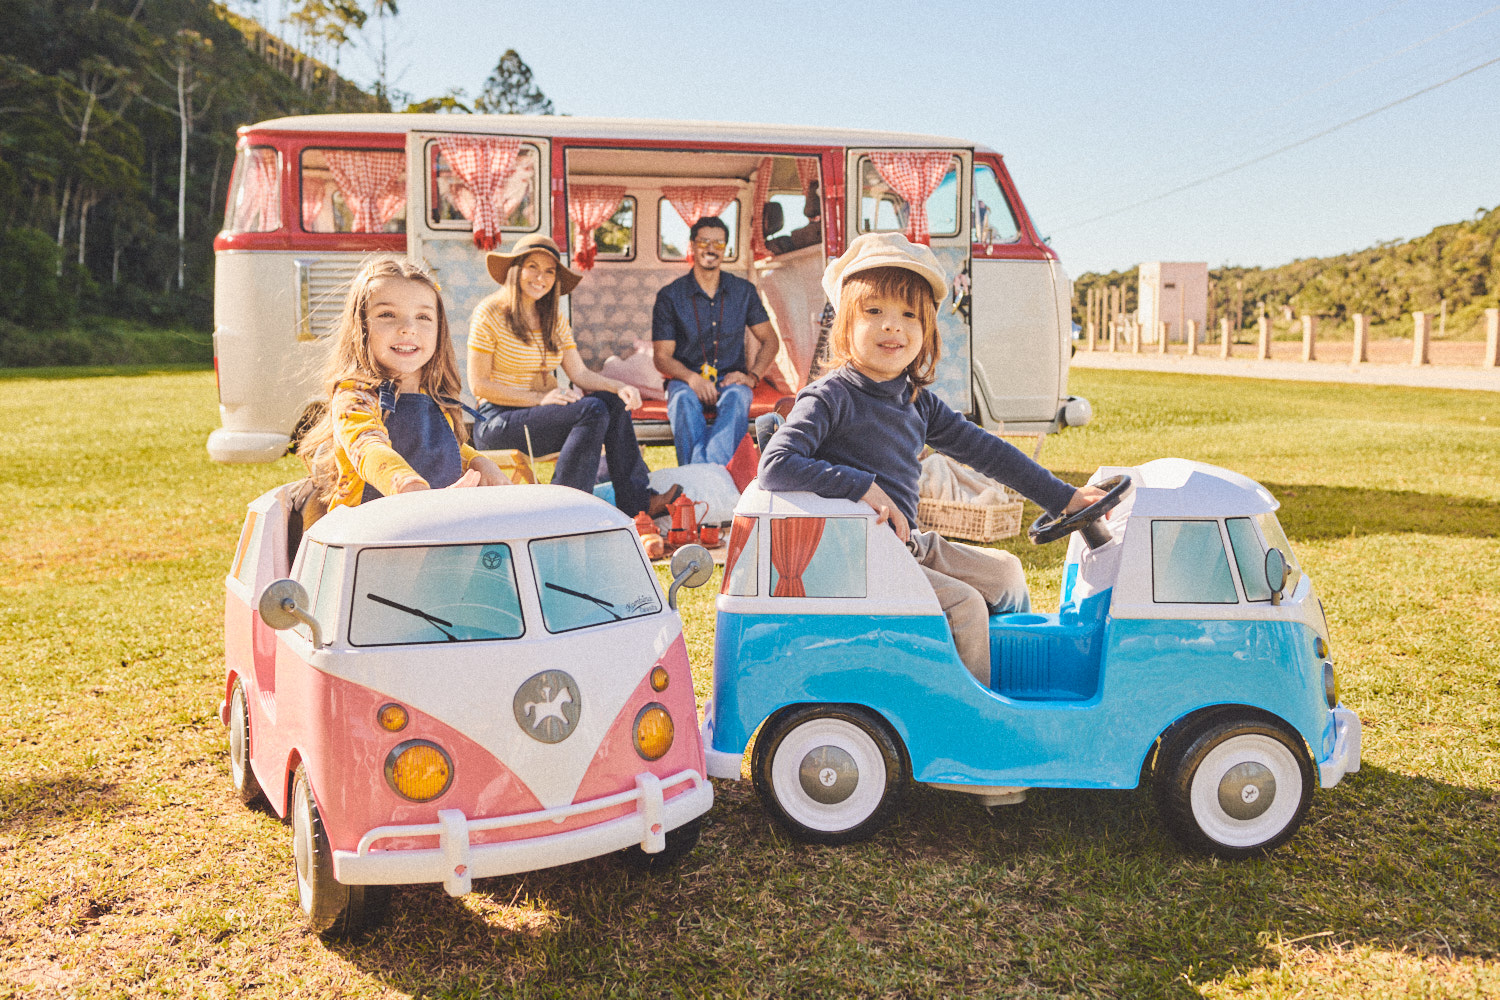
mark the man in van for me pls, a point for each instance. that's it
(702, 327)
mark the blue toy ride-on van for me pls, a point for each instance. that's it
(1186, 631)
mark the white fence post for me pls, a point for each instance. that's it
(1224, 337)
(1361, 350)
(1192, 336)
(1264, 322)
(1309, 337)
(1421, 334)
(1491, 338)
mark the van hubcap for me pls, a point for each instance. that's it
(1247, 790)
(828, 775)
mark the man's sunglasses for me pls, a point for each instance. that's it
(716, 245)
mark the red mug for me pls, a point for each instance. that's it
(709, 535)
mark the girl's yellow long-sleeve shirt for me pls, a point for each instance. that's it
(362, 448)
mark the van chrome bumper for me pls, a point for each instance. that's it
(719, 763)
(246, 446)
(1345, 756)
(456, 863)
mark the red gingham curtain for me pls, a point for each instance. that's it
(314, 189)
(393, 199)
(758, 207)
(590, 206)
(262, 194)
(483, 164)
(366, 180)
(914, 176)
(739, 534)
(807, 171)
(693, 203)
(793, 542)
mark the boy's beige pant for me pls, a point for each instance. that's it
(968, 582)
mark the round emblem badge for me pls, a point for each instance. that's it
(547, 706)
(492, 559)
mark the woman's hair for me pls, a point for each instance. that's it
(351, 359)
(889, 283)
(546, 306)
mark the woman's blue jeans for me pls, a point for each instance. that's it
(576, 431)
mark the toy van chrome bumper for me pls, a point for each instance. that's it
(719, 763)
(456, 863)
(1345, 756)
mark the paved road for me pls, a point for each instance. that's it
(1426, 376)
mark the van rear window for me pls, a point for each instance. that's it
(451, 190)
(255, 192)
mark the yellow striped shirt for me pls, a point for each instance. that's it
(513, 363)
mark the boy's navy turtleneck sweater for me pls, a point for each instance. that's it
(847, 431)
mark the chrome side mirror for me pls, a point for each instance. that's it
(691, 567)
(284, 604)
(1276, 574)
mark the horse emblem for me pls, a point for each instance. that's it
(547, 706)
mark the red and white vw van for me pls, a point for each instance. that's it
(454, 684)
(312, 196)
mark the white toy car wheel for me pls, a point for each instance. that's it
(332, 909)
(830, 774)
(1234, 787)
(240, 771)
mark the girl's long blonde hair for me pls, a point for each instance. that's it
(889, 283)
(351, 359)
(546, 306)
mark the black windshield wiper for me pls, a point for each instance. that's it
(587, 597)
(432, 620)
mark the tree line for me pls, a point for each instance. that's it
(1455, 263)
(117, 133)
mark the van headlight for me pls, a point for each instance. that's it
(1330, 685)
(418, 770)
(653, 732)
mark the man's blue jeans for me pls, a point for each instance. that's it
(695, 440)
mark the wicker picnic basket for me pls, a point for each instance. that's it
(971, 521)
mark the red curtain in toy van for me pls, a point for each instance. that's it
(793, 542)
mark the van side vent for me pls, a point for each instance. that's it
(321, 287)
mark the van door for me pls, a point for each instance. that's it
(440, 230)
(1022, 309)
(879, 184)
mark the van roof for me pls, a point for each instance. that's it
(1179, 487)
(479, 514)
(559, 126)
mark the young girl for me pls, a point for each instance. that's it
(394, 422)
(858, 432)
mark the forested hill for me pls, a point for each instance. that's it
(96, 97)
(1456, 262)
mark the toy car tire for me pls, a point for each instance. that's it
(333, 910)
(679, 843)
(1234, 787)
(829, 774)
(240, 771)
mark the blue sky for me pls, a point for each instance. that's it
(1096, 106)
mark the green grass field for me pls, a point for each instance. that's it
(131, 869)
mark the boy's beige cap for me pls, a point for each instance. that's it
(885, 250)
(500, 263)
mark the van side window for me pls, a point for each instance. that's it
(452, 200)
(615, 237)
(742, 560)
(309, 574)
(993, 221)
(255, 192)
(673, 232)
(353, 190)
(883, 210)
(1250, 555)
(818, 557)
(1189, 565)
(243, 569)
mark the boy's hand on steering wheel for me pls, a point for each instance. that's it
(1083, 497)
(888, 511)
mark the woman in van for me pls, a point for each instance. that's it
(517, 340)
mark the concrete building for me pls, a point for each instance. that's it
(1174, 294)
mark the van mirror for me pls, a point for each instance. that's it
(283, 605)
(691, 567)
(1276, 574)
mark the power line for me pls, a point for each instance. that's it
(1277, 152)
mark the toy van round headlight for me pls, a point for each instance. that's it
(659, 679)
(418, 770)
(1330, 685)
(653, 732)
(392, 717)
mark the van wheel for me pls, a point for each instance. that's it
(1234, 787)
(240, 771)
(830, 774)
(333, 910)
(679, 842)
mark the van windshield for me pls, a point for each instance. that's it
(592, 579)
(434, 593)
(254, 204)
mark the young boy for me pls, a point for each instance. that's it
(858, 432)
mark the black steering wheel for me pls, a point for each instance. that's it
(1049, 527)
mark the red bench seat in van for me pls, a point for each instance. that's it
(764, 400)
